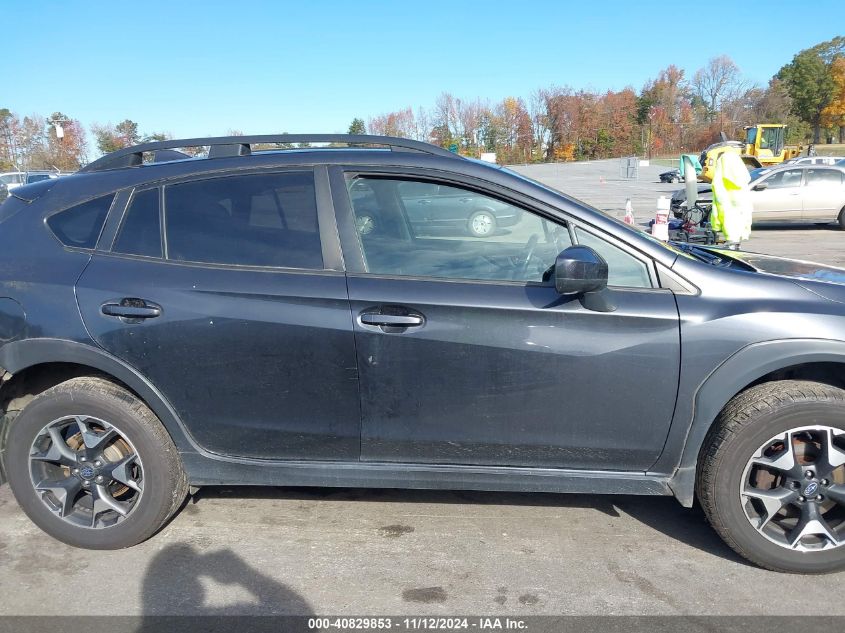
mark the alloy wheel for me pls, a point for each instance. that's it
(482, 224)
(793, 489)
(86, 472)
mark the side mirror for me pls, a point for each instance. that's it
(761, 186)
(581, 272)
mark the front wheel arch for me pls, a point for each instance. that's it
(752, 365)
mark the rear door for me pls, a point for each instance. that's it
(467, 356)
(228, 295)
(822, 194)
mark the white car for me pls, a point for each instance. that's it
(789, 193)
(14, 179)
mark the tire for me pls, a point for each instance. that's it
(482, 224)
(841, 219)
(760, 417)
(121, 428)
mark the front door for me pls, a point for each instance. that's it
(236, 320)
(467, 356)
(780, 200)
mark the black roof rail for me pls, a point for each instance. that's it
(225, 146)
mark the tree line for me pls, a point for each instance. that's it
(670, 114)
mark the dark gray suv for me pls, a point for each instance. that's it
(169, 322)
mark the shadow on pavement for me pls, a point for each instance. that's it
(788, 226)
(185, 581)
(663, 514)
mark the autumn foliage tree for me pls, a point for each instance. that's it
(833, 114)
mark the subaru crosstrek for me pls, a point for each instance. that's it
(170, 322)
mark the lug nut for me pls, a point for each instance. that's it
(802, 498)
(98, 463)
(809, 474)
(75, 471)
(820, 498)
(82, 460)
(100, 479)
(825, 482)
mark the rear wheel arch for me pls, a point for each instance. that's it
(816, 360)
(30, 367)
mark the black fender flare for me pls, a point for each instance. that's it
(19, 355)
(730, 378)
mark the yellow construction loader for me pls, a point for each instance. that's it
(764, 146)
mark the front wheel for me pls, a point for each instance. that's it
(92, 466)
(482, 224)
(772, 476)
(841, 219)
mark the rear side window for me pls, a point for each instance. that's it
(824, 178)
(140, 233)
(80, 226)
(249, 220)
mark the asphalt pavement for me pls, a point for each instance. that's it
(371, 552)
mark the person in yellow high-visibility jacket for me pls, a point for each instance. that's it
(732, 209)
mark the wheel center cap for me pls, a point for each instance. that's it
(87, 472)
(811, 489)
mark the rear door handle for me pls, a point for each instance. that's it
(131, 309)
(392, 320)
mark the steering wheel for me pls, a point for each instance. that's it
(525, 257)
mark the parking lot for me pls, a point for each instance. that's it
(327, 551)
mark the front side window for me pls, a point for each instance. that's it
(249, 220)
(783, 179)
(80, 225)
(420, 228)
(140, 232)
(623, 269)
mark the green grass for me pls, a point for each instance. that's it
(836, 149)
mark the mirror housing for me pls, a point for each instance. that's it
(579, 270)
(760, 186)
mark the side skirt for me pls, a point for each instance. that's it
(211, 471)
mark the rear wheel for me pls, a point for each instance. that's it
(92, 466)
(841, 219)
(772, 476)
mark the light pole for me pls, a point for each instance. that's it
(58, 127)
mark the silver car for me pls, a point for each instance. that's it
(789, 193)
(806, 193)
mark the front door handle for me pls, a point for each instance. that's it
(131, 309)
(391, 320)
